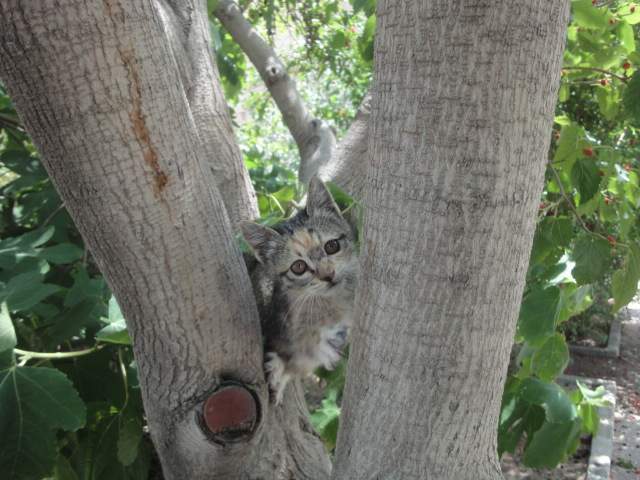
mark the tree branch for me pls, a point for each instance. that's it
(348, 167)
(187, 29)
(315, 139)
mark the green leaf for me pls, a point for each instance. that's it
(537, 319)
(115, 332)
(14, 248)
(84, 287)
(71, 321)
(325, 419)
(115, 315)
(26, 290)
(7, 332)
(557, 230)
(592, 256)
(567, 150)
(593, 397)
(365, 42)
(557, 405)
(584, 176)
(609, 102)
(574, 300)
(625, 281)
(627, 39)
(107, 465)
(631, 98)
(62, 253)
(590, 418)
(129, 436)
(588, 15)
(550, 444)
(630, 17)
(551, 358)
(33, 403)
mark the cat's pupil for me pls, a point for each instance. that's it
(331, 247)
(299, 267)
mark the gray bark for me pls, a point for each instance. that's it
(347, 167)
(99, 91)
(463, 102)
(187, 29)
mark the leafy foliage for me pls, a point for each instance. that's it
(74, 411)
(588, 229)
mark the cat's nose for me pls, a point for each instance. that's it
(326, 274)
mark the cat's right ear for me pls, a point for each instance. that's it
(263, 240)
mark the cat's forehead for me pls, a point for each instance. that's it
(304, 239)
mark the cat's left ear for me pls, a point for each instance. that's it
(319, 198)
(263, 240)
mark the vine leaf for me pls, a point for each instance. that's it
(549, 444)
(625, 281)
(62, 253)
(558, 407)
(592, 257)
(631, 98)
(584, 176)
(589, 16)
(116, 330)
(538, 314)
(550, 360)
(34, 402)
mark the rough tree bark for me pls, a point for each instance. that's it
(186, 26)
(98, 89)
(462, 107)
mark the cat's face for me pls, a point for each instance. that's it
(313, 253)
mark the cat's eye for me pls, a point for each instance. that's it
(332, 246)
(298, 267)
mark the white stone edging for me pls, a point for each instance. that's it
(602, 443)
(612, 350)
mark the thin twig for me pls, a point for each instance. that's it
(600, 70)
(564, 195)
(53, 214)
(54, 355)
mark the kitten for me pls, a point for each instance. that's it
(304, 278)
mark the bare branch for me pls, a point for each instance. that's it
(348, 166)
(314, 138)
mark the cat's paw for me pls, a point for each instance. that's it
(278, 377)
(338, 339)
(327, 355)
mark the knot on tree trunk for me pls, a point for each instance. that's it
(231, 413)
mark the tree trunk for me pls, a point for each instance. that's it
(98, 90)
(462, 109)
